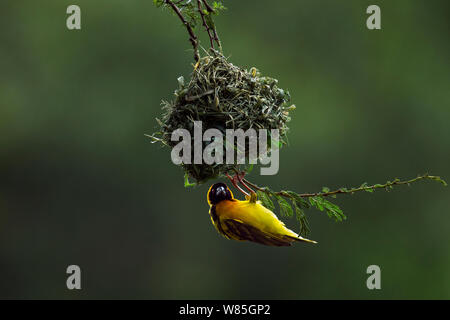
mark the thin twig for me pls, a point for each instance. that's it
(208, 7)
(214, 31)
(208, 29)
(387, 186)
(192, 37)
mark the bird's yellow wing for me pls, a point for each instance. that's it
(253, 214)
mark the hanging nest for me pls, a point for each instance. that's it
(223, 96)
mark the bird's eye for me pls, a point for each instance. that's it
(220, 190)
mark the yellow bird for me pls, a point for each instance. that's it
(247, 220)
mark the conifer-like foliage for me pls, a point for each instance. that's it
(223, 96)
(292, 203)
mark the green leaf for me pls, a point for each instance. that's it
(438, 179)
(285, 207)
(316, 202)
(218, 6)
(333, 211)
(265, 200)
(187, 184)
(301, 202)
(301, 217)
(158, 3)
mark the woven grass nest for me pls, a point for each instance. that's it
(223, 96)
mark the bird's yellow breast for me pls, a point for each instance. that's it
(253, 214)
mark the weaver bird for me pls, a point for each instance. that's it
(247, 220)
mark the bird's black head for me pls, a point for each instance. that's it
(219, 192)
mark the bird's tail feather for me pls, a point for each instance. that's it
(299, 238)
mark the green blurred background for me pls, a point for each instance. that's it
(80, 184)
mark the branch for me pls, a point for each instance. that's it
(212, 28)
(208, 29)
(298, 201)
(364, 187)
(208, 7)
(211, 10)
(192, 37)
